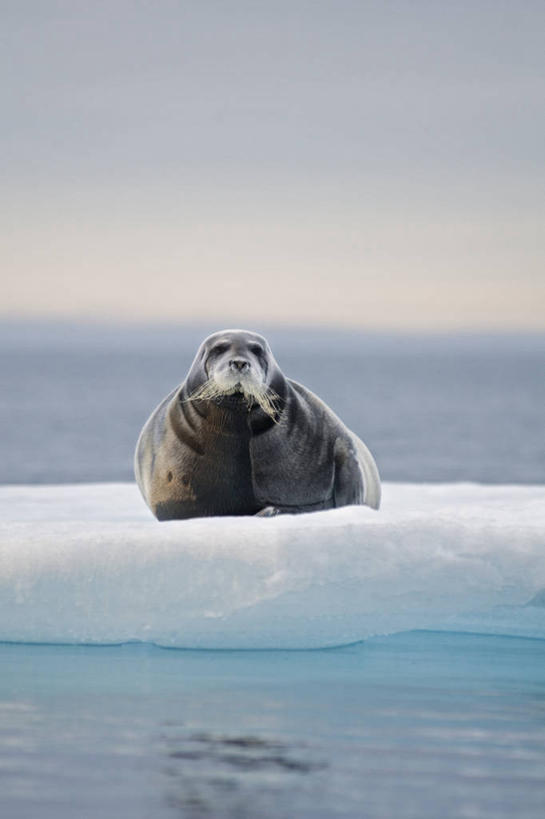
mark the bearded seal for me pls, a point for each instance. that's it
(239, 438)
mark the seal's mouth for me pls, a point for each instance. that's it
(235, 397)
(240, 389)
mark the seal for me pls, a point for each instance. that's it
(239, 438)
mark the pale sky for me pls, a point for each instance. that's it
(377, 164)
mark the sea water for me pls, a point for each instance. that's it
(413, 725)
(73, 398)
(227, 688)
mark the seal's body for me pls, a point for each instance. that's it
(238, 438)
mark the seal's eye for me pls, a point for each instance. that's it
(256, 349)
(219, 348)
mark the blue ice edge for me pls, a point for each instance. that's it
(230, 650)
(87, 564)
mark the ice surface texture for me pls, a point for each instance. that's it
(88, 564)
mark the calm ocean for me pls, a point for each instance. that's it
(430, 408)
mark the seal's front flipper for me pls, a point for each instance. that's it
(267, 512)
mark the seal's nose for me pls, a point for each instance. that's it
(239, 365)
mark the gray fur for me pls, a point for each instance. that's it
(231, 455)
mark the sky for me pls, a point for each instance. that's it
(372, 164)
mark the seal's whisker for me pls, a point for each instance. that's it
(264, 396)
(268, 400)
(206, 392)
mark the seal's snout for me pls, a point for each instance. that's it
(239, 365)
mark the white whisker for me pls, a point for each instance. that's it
(264, 396)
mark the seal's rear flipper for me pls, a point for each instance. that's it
(356, 475)
(370, 475)
(267, 512)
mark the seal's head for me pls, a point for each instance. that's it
(235, 367)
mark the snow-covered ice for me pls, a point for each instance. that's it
(87, 563)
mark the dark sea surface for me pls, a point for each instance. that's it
(431, 408)
(418, 725)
